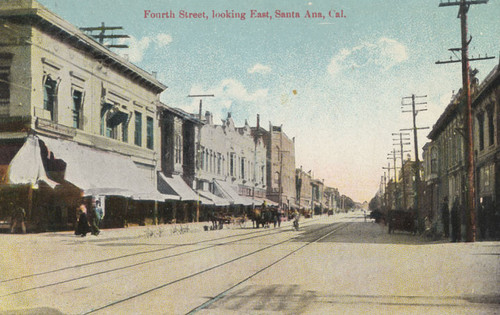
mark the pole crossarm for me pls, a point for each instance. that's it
(419, 128)
(449, 3)
(470, 59)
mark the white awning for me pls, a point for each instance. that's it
(260, 201)
(225, 190)
(176, 185)
(205, 201)
(216, 200)
(26, 167)
(98, 172)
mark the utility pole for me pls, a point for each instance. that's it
(392, 156)
(402, 151)
(388, 168)
(198, 149)
(102, 34)
(396, 190)
(385, 190)
(415, 112)
(471, 202)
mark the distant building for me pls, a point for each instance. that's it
(329, 197)
(304, 190)
(232, 162)
(281, 186)
(317, 196)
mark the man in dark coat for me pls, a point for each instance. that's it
(455, 222)
(17, 219)
(82, 227)
(445, 216)
(482, 218)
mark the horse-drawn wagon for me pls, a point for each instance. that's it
(402, 221)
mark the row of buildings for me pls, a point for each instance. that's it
(78, 122)
(443, 170)
(444, 167)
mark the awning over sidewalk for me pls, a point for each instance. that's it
(217, 201)
(268, 202)
(225, 190)
(26, 167)
(176, 185)
(98, 172)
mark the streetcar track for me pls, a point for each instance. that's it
(262, 232)
(224, 293)
(342, 225)
(168, 247)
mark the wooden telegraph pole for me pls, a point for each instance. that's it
(415, 129)
(198, 147)
(402, 151)
(102, 34)
(470, 196)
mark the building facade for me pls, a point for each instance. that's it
(71, 93)
(233, 157)
(444, 156)
(486, 137)
(304, 190)
(281, 171)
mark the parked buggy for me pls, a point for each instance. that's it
(402, 221)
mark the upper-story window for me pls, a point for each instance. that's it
(50, 96)
(480, 126)
(231, 164)
(125, 130)
(77, 109)
(112, 119)
(202, 158)
(5, 62)
(149, 133)
(491, 126)
(219, 160)
(178, 149)
(243, 168)
(138, 129)
(262, 171)
(434, 161)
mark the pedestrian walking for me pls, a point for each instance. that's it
(445, 217)
(278, 217)
(492, 218)
(82, 227)
(455, 222)
(17, 219)
(482, 218)
(94, 221)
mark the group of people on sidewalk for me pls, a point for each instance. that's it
(485, 210)
(89, 222)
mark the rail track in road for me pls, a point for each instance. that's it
(232, 239)
(225, 292)
(80, 272)
(336, 227)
